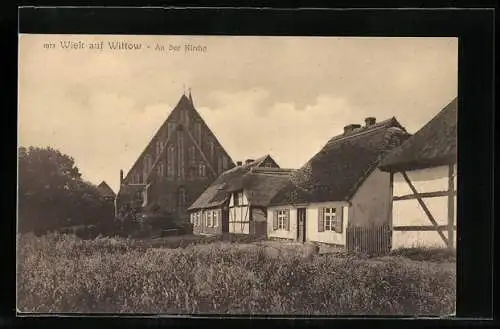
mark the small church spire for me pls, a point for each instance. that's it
(190, 98)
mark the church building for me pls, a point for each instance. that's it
(183, 158)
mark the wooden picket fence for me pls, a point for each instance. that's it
(372, 240)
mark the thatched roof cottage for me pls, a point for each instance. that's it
(340, 189)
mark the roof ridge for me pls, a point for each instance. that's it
(364, 130)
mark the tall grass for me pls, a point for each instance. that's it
(61, 273)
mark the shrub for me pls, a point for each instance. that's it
(62, 273)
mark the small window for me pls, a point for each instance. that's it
(282, 219)
(332, 220)
(209, 219)
(216, 219)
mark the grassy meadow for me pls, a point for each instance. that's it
(62, 273)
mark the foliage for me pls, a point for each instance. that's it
(52, 193)
(61, 273)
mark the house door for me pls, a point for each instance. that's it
(301, 224)
(225, 220)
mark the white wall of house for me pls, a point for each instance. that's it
(282, 233)
(311, 231)
(239, 215)
(371, 202)
(410, 213)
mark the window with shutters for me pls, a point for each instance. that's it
(331, 220)
(198, 219)
(282, 219)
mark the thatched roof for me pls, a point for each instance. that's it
(433, 145)
(336, 172)
(105, 190)
(261, 187)
(232, 180)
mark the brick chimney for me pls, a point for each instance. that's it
(247, 161)
(351, 127)
(238, 163)
(370, 121)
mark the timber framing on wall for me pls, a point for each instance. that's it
(420, 196)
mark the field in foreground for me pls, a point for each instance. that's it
(61, 273)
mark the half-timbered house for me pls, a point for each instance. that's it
(423, 174)
(183, 158)
(236, 202)
(340, 191)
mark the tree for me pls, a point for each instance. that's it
(52, 194)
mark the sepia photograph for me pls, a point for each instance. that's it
(237, 175)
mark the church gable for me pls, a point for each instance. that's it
(183, 148)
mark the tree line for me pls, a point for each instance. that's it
(52, 194)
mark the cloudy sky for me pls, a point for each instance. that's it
(284, 96)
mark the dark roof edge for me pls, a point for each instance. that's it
(420, 164)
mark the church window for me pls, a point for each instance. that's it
(219, 165)
(201, 169)
(224, 163)
(198, 132)
(180, 153)
(171, 161)
(192, 157)
(212, 149)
